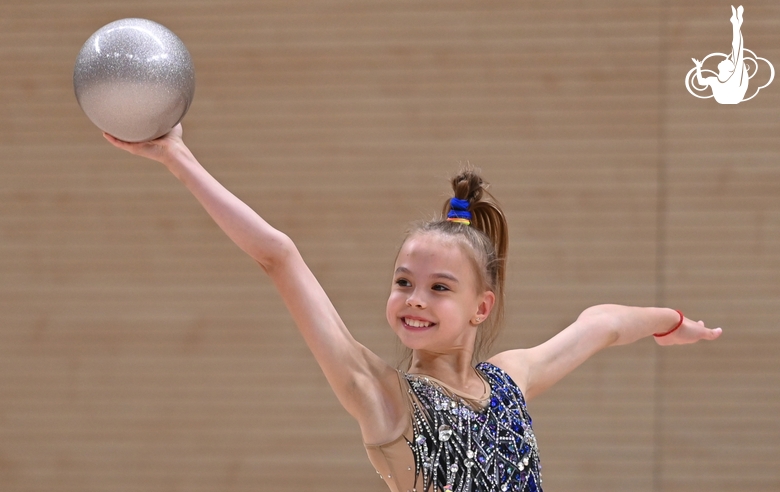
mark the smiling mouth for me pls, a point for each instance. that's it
(416, 324)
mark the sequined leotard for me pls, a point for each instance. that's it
(455, 444)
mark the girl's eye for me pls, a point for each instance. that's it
(402, 282)
(440, 287)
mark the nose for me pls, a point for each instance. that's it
(414, 300)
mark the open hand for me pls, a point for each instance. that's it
(159, 149)
(689, 332)
(697, 62)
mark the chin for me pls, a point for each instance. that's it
(412, 342)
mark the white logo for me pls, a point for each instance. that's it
(730, 84)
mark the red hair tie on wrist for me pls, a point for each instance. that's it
(659, 335)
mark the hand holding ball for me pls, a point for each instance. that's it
(134, 79)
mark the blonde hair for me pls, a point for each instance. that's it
(485, 242)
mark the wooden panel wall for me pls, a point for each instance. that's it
(140, 350)
(722, 180)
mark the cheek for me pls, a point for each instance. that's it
(392, 307)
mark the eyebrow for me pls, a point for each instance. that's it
(434, 275)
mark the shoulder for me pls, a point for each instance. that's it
(385, 413)
(512, 363)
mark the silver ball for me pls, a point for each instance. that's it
(134, 79)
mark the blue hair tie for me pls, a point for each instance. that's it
(458, 204)
(459, 211)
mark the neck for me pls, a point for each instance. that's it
(455, 369)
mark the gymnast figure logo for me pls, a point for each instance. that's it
(730, 84)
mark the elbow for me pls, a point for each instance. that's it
(604, 321)
(276, 251)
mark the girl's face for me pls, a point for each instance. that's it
(434, 303)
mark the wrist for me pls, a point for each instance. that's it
(674, 328)
(176, 157)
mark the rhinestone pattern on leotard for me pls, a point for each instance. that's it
(460, 448)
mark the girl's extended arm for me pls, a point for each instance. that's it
(365, 385)
(248, 230)
(598, 327)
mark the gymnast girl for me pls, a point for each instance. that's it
(731, 84)
(443, 424)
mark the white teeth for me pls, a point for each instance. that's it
(417, 324)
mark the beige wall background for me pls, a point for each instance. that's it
(141, 351)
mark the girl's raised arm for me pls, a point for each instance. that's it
(365, 385)
(538, 368)
(248, 230)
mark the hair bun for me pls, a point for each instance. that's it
(468, 185)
